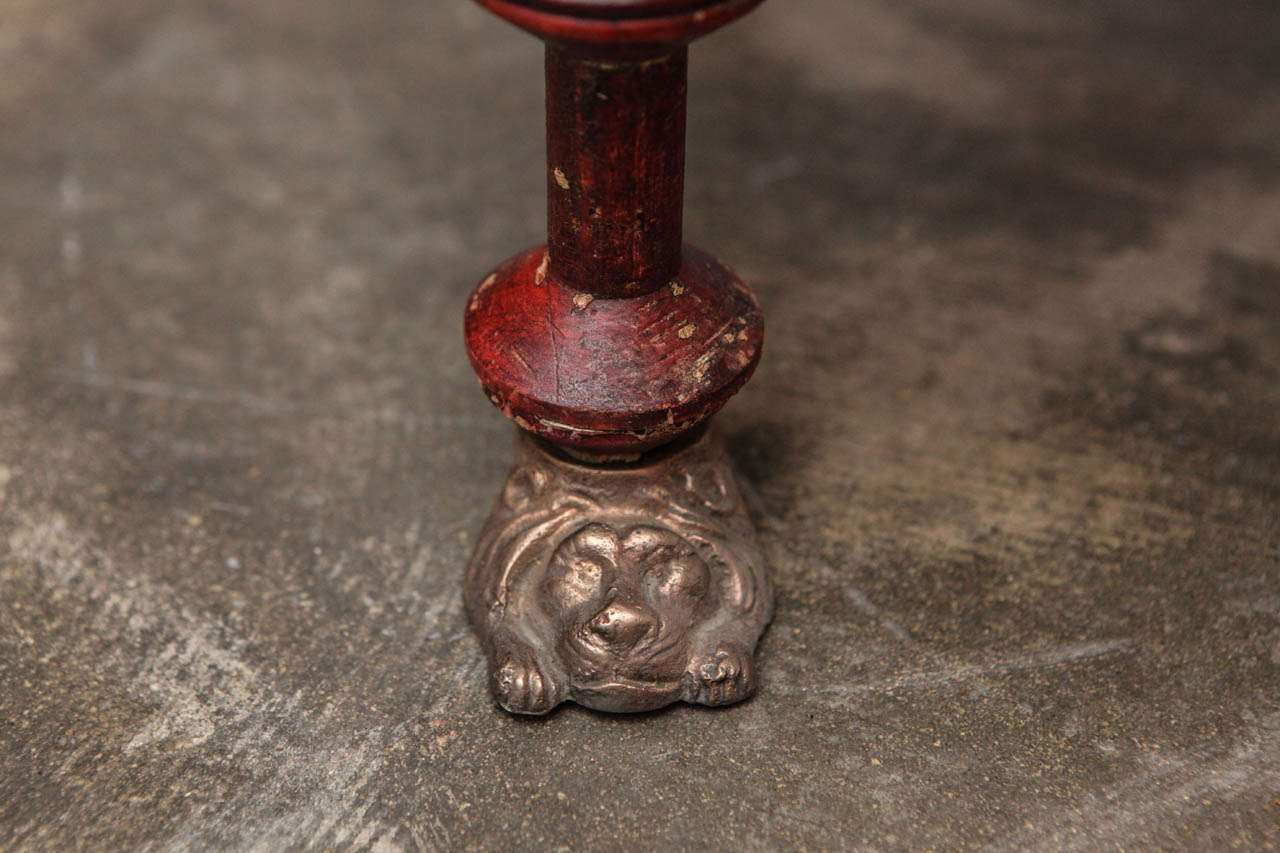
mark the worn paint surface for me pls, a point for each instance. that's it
(612, 375)
(1014, 451)
(625, 375)
(615, 152)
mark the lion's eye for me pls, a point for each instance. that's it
(576, 581)
(580, 568)
(684, 575)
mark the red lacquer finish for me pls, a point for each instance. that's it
(618, 23)
(612, 376)
(615, 337)
(615, 175)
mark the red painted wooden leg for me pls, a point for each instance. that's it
(629, 578)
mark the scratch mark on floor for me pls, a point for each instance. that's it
(1172, 788)
(162, 390)
(855, 597)
(204, 692)
(1021, 662)
(860, 601)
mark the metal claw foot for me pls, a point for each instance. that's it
(619, 587)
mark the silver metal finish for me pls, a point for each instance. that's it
(619, 587)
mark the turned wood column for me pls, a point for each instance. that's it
(615, 337)
(615, 169)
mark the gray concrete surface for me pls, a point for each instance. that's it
(1014, 447)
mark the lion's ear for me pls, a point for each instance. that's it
(704, 488)
(737, 570)
(508, 552)
(523, 487)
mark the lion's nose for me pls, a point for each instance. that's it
(621, 624)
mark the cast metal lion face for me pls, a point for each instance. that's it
(623, 589)
(624, 603)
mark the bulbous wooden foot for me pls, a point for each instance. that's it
(619, 587)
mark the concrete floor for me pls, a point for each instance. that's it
(1014, 447)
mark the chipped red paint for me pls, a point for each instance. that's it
(615, 170)
(612, 376)
(615, 337)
